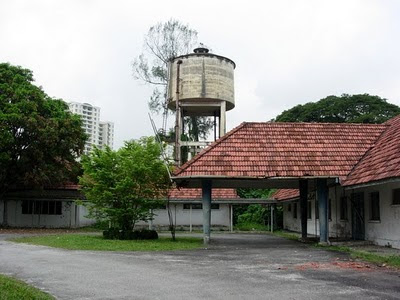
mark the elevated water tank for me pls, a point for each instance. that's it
(203, 78)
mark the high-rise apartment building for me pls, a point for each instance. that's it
(99, 133)
(106, 134)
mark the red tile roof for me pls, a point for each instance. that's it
(185, 193)
(382, 161)
(285, 194)
(266, 150)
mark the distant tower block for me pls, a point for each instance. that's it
(200, 84)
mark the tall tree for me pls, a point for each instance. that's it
(39, 139)
(363, 108)
(163, 42)
(123, 186)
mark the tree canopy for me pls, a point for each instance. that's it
(163, 42)
(40, 139)
(123, 186)
(362, 108)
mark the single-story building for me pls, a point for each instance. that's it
(51, 207)
(366, 203)
(356, 166)
(187, 209)
(56, 207)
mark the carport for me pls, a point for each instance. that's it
(304, 156)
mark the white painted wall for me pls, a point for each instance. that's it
(83, 220)
(383, 232)
(387, 230)
(219, 217)
(337, 227)
(72, 216)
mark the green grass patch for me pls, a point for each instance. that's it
(287, 235)
(251, 227)
(13, 289)
(390, 260)
(96, 242)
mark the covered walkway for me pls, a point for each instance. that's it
(304, 156)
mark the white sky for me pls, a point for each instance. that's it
(286, 52)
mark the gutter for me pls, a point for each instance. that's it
(373, 183)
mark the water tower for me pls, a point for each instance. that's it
(200, 84)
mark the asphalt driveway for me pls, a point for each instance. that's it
(235, 266)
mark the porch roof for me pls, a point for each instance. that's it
(279, 154)
(382, 161)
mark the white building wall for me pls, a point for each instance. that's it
(337, 227)
(95, 129)
(72, 216)
(219, 217)
(384, 232)
(83, 218)
(106, 134)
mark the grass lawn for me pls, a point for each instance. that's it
(13, 289)
(96, 242)
(390, 260)
(251, 227)
(287, 235)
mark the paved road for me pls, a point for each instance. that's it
(236, 266)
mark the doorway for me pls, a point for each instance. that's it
(357, 216)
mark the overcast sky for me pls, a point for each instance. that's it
(286, 52)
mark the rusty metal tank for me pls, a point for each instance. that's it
(204, 78)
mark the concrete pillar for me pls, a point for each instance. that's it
(222, 119)
(231, 217)
(322, 195)
(151, 221)
(303, 187)
(272, 217)
(190, 218)
(206, 192)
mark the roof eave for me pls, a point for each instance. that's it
(222, 181)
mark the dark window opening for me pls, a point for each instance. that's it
(343, 208)
(200, 206)
(374, 210)
(41, 207)
(309, 210)
(396, 197)
(289, 208)
(329, 210)
(295, 210)
(316, 210)
(214, 206)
